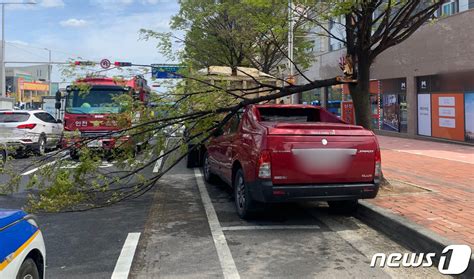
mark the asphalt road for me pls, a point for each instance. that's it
(189, 229)
(82, 244)
(183, 238)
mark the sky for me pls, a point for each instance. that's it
(91, 29)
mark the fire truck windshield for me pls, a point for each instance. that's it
(93, 102)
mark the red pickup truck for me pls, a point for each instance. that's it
(280, 153)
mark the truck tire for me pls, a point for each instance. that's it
(344, 207)
(74, 154)
(244, 203)
(3, 157)
(28, 269)
(206, 170)
(193, 159)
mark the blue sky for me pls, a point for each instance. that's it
(92, 29)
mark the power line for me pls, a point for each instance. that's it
(22, 49)
(44, 48)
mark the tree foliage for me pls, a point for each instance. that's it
(236, 33)
(370, 28)
(199, 105)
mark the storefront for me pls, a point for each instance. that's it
(31, 93)
(347, 106)
(446, 106)
(394, 114)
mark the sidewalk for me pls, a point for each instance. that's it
(443, 173)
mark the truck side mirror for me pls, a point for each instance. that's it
(58, 96)
(136, 95)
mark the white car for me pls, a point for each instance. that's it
(22, 250)
(35, 130)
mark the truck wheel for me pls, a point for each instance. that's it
(345, 207)
(206, 170)
(244, 203)
(41, 149)
(74, 154)
(194, 159)
(3, 157)
(28, 269)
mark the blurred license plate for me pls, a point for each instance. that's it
(94, 143)
(324, 159)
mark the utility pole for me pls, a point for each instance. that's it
(49, 70)
(291, 77)
(2, 72)
(2, 60)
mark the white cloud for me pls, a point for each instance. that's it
(74, 22)
(107, 4)
(120, 4)
(51, 3)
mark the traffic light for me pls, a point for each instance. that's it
(84, 63)
(123, 64)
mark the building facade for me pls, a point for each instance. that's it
(425, 85)
(27, 85)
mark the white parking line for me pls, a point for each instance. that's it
(223, 252)
(124, 262)
(158, 163)
(271, 227)
(42, 166)
(103, 165)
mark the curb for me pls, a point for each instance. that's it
(406, 233)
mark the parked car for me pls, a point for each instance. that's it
(281, 153)
(22, 250)
(35, 130)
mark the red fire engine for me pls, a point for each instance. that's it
(89, 113)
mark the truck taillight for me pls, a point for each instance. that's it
(26, 126)
(378, 164)
(264, 166)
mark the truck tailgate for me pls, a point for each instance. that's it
(332, 157)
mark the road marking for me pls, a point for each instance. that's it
(103, 165)
(124, 262)
(223, 252)
(271, 227)
(42, 166)
(158, 163)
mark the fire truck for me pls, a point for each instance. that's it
(90, 107)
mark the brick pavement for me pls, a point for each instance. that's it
(447, 170)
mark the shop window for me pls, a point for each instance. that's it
(448, 9)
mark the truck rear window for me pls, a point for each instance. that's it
(8, 117)
(293, 115)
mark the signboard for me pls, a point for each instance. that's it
(33, 86)
(105, 63)
(447, 116)
(165, 71)
(424, 114)
(347, 113)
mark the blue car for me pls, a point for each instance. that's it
(22, 250)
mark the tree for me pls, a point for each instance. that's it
(202, 106)
(237, 33)
(371, 27)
